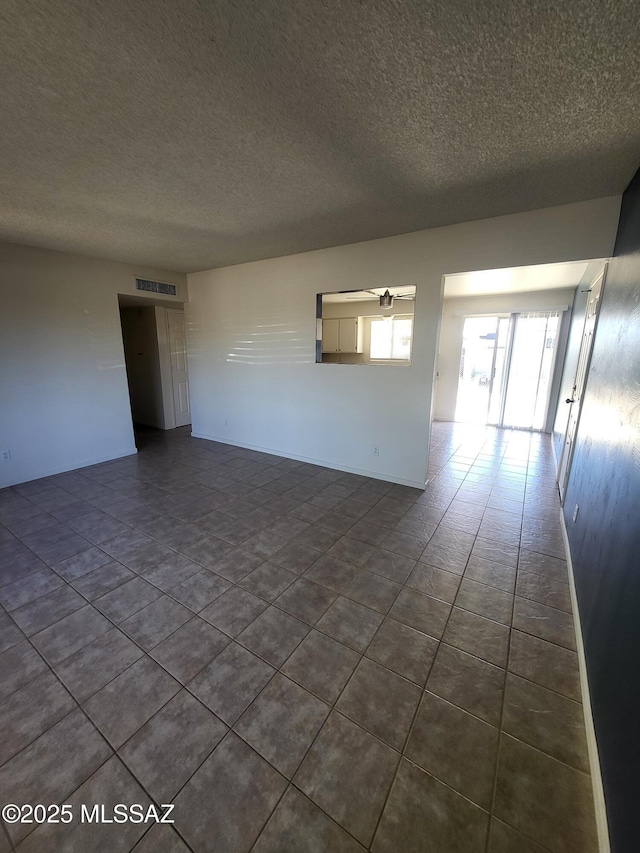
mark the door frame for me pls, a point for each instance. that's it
(580, 381)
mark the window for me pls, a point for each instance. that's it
(391, 339)
(368, 327)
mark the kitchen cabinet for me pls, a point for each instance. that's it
(342, 334)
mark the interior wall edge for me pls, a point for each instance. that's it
(87, 463)
(602, 824)
(362, 472)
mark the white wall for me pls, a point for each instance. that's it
(453, 316)
(252, 329)
(64, 401)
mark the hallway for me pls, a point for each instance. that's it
(297, 658)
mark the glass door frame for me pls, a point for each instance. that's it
(512, 317)
(515, 318)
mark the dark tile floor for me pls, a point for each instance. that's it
(298, 659)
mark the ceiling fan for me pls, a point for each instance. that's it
(387, 298)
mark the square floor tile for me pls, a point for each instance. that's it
(273, 635)
(373, 591)
(29, 712)
(53, 766)
(545, 663)
(445, 555)
(168, 749)
(172, 571)
(456, 748)
(71, 633)
(264, 544)
(321, 665)
(350, 623)
(225, 805)
(127, 599)
(53, 545)
(351, 551)
(297, 824)
(493, 574)
(306, 600)
(478, 636)
(189, 649)
(268, 581)
(80, 564)
(102, 580)
(421, 612)
(47, 609)
(19, 665)
(467, 681)
(420, 807)
(233, 610)
(395, 567)
(331, 572)
(435, 582)
(406, 651)
(548, 623)
(282, 722)
(405, 543)
(381, 701)
(348, 773)
(121, 707)
(505, 839)
(96, 664)
(109, 785)
(495, 552)
(564, 817)
(157, 620)
(485, 600)
(25, 590)
(231, 682)
(209, 552)
(161, 839)
(546, 720)
(550, 567)
(545, 590)
(295, 557)
(200, 589)
(234, 564)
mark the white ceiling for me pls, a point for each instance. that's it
(189, 134)
(519, 279)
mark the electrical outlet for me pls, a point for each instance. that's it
(376, 450)
(575, 513)
(5, 456)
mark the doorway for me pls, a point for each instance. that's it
(579, 382)
(506, 369)
(154, 343)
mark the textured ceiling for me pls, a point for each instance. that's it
(188, 134)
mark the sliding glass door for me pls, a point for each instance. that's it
(506, 369)
(480, 383)
(531, 369)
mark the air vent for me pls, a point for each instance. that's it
(155, 286)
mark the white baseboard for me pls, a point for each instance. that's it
(592, 745)
(375, 475)
(65, 469)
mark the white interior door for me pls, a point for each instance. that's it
(179, 368)
(579, 382)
